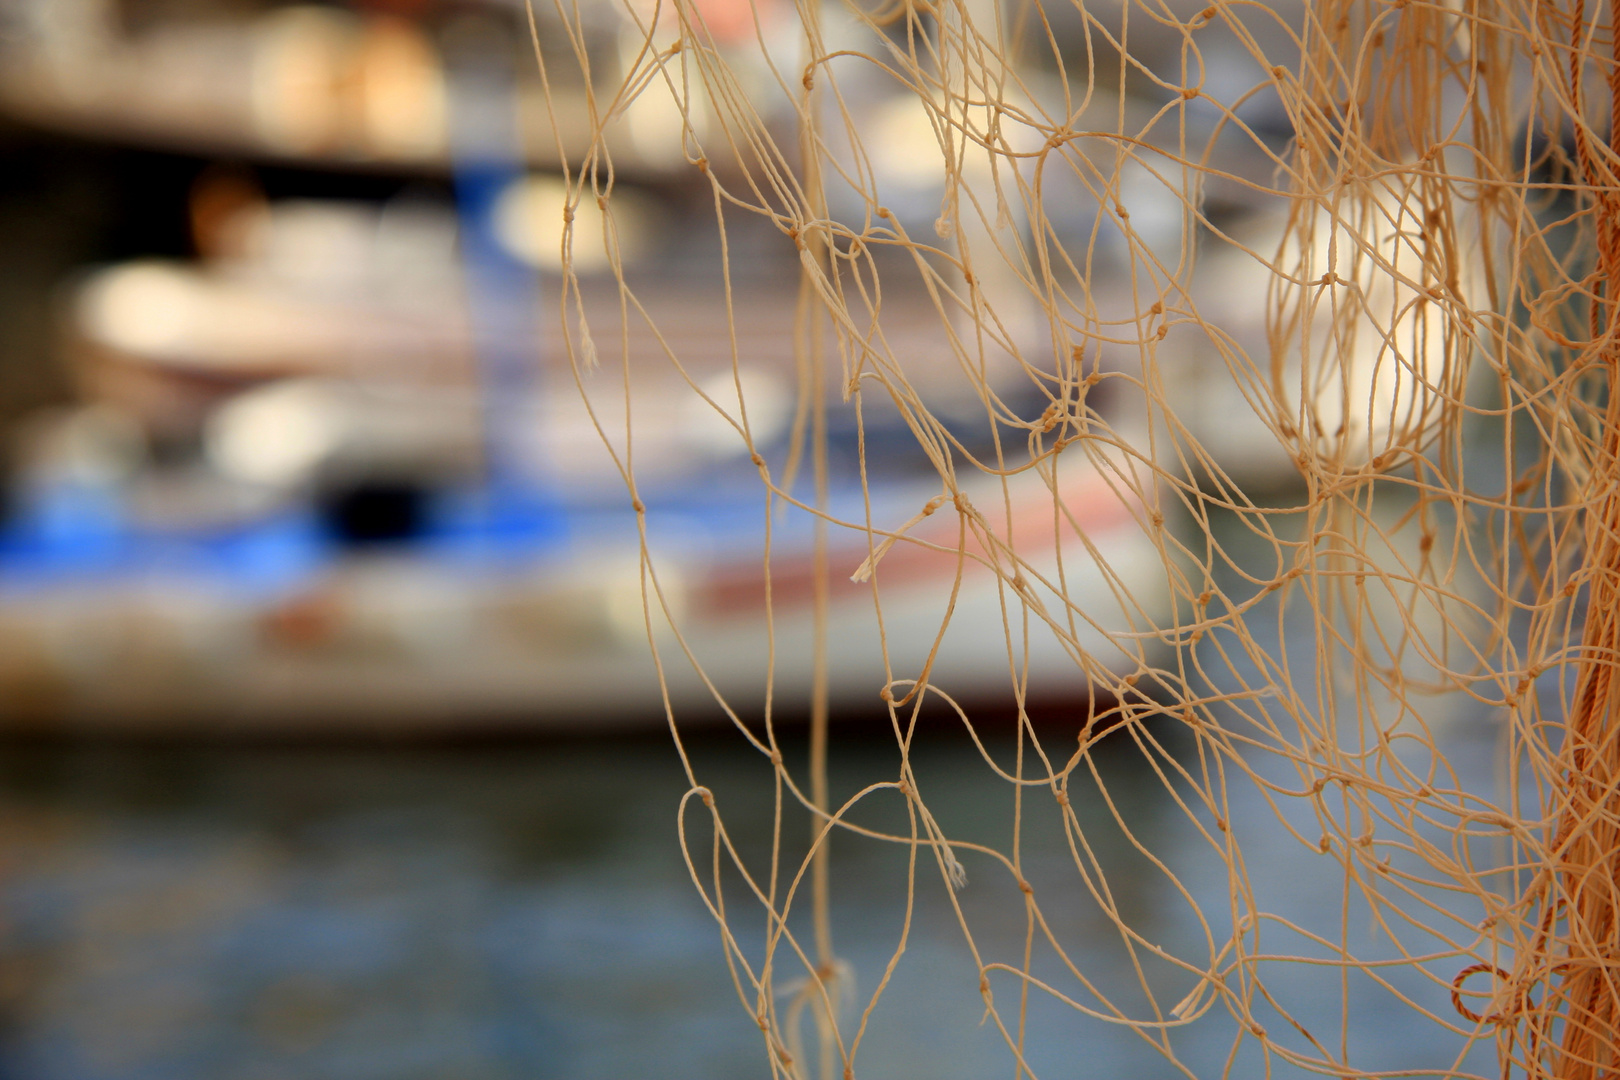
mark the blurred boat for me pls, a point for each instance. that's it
(291, 505)
(532, 617)
(320, 86)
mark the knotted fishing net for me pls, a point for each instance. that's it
(1248, 373)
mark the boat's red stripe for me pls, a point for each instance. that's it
(736, 589)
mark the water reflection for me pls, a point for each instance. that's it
(228, 913)
(523, 911)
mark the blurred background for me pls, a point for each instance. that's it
(328, 742)
(289, 431)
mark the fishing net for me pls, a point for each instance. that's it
(1250, 367)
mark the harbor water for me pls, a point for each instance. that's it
(524, 910)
